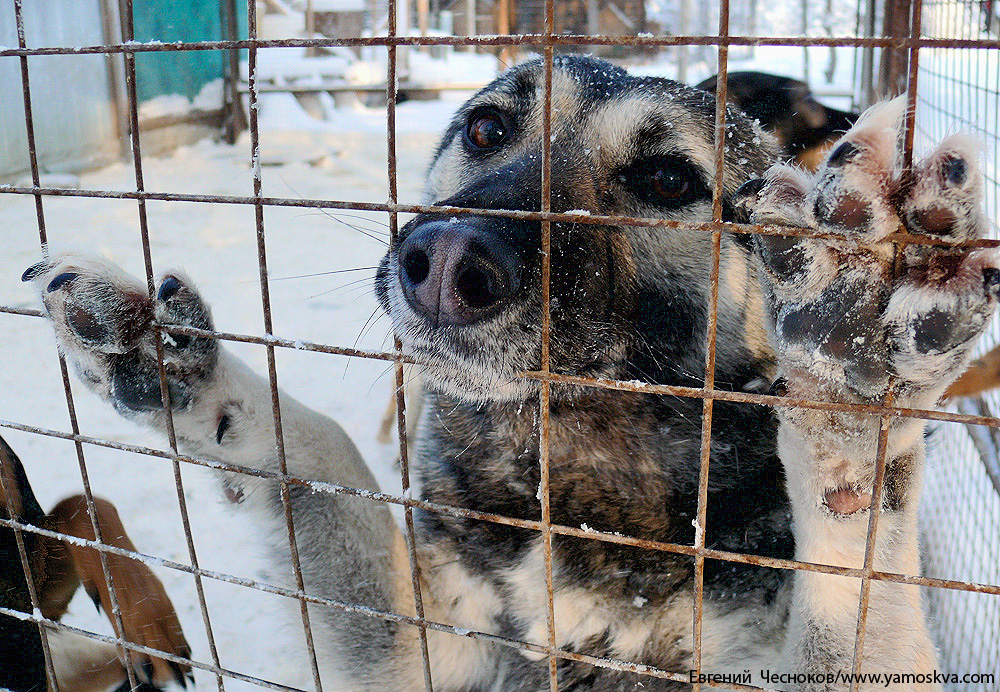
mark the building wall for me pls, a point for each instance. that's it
(184, 72)
(73, 112)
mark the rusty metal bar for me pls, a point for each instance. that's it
(362, 610)
(915, 7)
(763, 399)
(598, 662)
(126, 16)
(544, 376)
(544, 393)
(710, 344)
(511, 40)
(115, 614)
(556, 217)
(272, 373)
(577, 380)
(334, 488)
(391, 86)
(590, 534)
(29, 126)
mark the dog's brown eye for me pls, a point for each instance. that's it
(486, 130)
(670, 184)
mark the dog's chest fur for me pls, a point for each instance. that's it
(619, 462)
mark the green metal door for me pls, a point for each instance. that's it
(168, 21)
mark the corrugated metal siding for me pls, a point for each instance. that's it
(179, 20)
(71, 98)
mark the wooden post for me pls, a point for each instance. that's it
(831, 63)
(805, 49)
(232, 119)
(310, 27)
(423, 10)
(110, 27)
(683, 29)
(503, 29)
(894, 64)
(403, 29)
(593, 15)
(866, 97)
(470, 22)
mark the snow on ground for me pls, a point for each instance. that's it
(216, 245)
(320, 268)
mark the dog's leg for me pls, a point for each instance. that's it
(847, 329)
(350, 548)
(82, 664)
(982, 376)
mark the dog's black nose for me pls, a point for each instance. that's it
(455, 274)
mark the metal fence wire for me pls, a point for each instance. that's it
(946, 88)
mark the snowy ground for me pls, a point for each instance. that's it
(343, 158)
(216, 245)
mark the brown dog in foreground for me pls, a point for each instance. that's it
(57, 569)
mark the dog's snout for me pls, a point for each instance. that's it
(454, 274)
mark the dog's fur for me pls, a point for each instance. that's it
(805, 128)
(58, 569)
(824, 317)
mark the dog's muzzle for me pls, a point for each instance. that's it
(454, 274)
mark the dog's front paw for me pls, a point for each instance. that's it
(103, 321)
(843, 322)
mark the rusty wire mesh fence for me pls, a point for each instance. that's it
(961, 506)
(951, 69)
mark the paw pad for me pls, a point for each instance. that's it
(168, 288)
(839, 309)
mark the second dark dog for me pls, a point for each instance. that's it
(805, 128)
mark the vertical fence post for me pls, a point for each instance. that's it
(893, 66)
(116, 78)
(470, 21)
(231, 121)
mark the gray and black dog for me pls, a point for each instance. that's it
(821, 319)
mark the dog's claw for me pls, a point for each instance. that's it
(34, 270)
(843, 154)
(991, 281)
(148, 670)
(745, 199)
(60, 281)
(168, 288)
(778, 388)
(94, 596)
(955, 170)
(179, 677)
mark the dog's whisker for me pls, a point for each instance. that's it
(328, 214)
(342, 287)
(339, 218)
(313, 274)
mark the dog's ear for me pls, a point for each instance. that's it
(17, 501)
